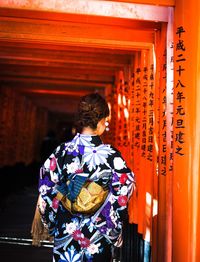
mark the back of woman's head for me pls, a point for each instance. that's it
(91, 109)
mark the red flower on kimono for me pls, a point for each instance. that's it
(55, 203)
(52, 164)
(122, 200)
(78, 171)
(84, 242)
(123, 178)
(78, 235)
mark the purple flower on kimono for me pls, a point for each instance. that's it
(81, 149)
(111, 189)
(74, 153)
(46, 181)
(115, 178)
(103, 229)
(106, 210)
(71, 150)
(45, 185)
(109, 223)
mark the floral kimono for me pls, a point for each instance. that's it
(79, 237)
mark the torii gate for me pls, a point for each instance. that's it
(177, 229)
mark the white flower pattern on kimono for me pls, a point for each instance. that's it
(70, 228)
(43, 189)
(79, 140)
(119, 163)
(72, 167)
(47, 163)
(96, 156)
(54, 177)
(71, 255)
(124, 190)
(93, 248)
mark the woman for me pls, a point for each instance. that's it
(90, 236)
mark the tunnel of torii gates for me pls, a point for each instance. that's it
(154, 102)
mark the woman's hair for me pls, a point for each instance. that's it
(91, 109)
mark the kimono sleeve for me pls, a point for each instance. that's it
(122, 185)
(50, 177)
(110, 219)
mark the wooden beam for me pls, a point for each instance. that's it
(64, 65)
(97, 72)
(95, 7)
(37, 53)
(73, 62)
(37, 31)
(150, 2)
(25, 86)
(55, 92)
(60, 56)
(55, 73)
(11, 43)
(81, 18)
(52, 81)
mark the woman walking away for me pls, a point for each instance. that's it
(84, 190)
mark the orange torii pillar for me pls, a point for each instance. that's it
(186, 174)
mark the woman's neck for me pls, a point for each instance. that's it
(88, 131)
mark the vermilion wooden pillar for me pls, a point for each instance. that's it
(186, 177)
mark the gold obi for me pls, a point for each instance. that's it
(89, 200)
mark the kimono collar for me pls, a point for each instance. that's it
(80, 142)
(88, 140)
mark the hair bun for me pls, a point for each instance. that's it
(91, 109)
